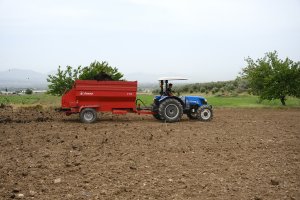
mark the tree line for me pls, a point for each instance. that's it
(225, 88)
(268, 77)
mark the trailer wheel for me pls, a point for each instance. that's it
(88, 115)
(204, 113)
(170, 110)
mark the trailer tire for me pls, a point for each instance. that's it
(170, 110)
(88, 115)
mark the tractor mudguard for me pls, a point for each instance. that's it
(163, 98)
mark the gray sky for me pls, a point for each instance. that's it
(204, 40)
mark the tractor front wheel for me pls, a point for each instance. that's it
(88, 115)
(170, 110)
(204, 113)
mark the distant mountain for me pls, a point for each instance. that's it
(20, 78)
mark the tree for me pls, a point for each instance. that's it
(28, 91)
(272, 78)
(89, 72)
(63, 80)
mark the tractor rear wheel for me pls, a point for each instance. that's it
(157, 116)
(88, 115)
(170, 110)
(204, 113)
(155, 110)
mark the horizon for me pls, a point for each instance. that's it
(132, 77)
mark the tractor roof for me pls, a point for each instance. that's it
(171, 78)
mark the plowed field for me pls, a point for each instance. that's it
(240, 154)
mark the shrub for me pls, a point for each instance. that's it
(28, 91)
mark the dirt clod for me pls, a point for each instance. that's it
(274, 182)
(16, 191)
(132, 167)
(57, 180)
(32, 193)
(20, 196)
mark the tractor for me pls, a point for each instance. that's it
(170, 108)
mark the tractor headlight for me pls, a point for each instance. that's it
(205, 100)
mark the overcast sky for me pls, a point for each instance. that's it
(204, 40)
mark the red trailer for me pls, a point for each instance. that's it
(88, 97)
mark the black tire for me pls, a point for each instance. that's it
(170, 110)
(155, 110)
(205, 113)
(88, 115)
(157, 116)
(192, 115)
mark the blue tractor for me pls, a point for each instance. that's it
(170, 108)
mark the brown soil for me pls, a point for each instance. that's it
(241, 154)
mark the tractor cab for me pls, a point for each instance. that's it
(165, 84)
(165, 90)
(170, 108)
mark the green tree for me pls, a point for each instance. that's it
(273, 78)
(96, 67)
(28, 91)
(241, 85)
(63, 80)
(215, 90)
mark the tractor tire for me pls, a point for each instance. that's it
(88, 115)
(192, 115)
(205, 113)
(157, 116)
(170, 110)
(155, 110)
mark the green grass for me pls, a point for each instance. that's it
(238, 101)
(216, 101)
(146, 98)
(249, 101)
(34, 99)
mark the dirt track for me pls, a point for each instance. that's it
(241, 154)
